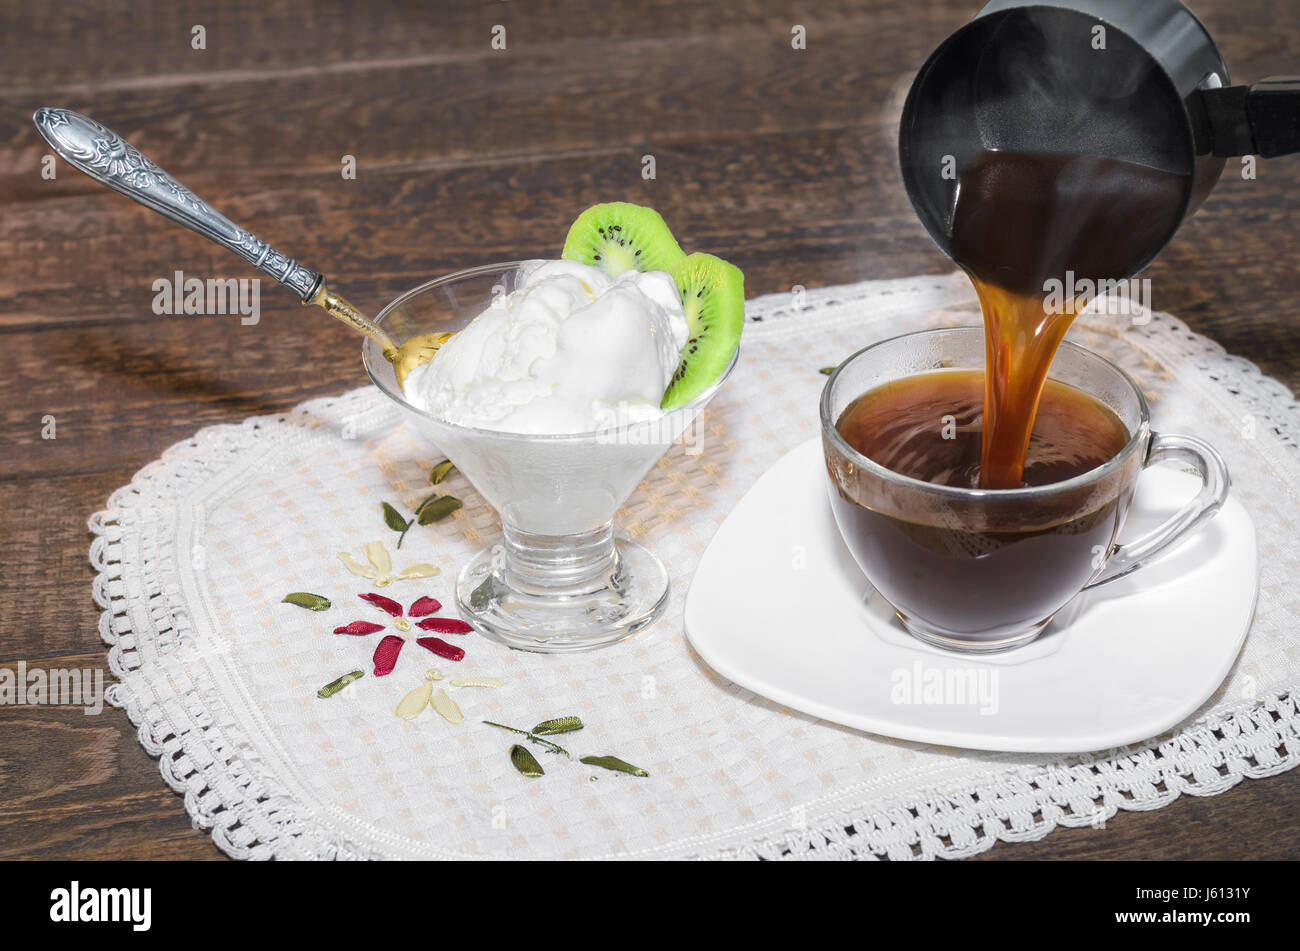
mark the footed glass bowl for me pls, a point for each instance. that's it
(559, 580)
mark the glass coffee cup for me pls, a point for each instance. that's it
(982, 570)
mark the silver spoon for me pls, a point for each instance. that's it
(110, 160)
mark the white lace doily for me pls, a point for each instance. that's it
(220, 676)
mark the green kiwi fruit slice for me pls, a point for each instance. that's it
(713, 296)
(619, 236)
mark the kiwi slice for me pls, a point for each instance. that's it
(713, 297)
(619, 236)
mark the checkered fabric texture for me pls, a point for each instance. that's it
(220, 676)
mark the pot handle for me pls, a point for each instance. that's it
(1260, 119)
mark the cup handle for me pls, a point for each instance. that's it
(1215, 482)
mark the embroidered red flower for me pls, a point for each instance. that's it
(386, 654)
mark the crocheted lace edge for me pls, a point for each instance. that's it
(249, 817)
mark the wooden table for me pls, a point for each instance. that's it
(780, 159)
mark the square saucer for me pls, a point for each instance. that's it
(777, 606)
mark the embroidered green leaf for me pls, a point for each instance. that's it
(613, 762)
(393, 519)
(481, 596)
(440, 472)
(558, 725)
(334, 686)
(826, 371)
(525, 762)
(532, 736)
(436, 507)
(305, 599)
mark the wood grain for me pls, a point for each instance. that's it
(781, 160)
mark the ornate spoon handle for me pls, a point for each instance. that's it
(110, 160)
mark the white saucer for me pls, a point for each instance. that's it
(777, 607)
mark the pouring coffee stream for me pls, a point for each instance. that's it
(1063, 143)
(105, 156)
(1022, 221)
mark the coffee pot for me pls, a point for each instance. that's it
(1139, 81)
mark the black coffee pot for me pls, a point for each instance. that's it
(1135, 80)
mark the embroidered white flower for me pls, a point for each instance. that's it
(380, 569)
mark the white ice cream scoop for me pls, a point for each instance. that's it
(569, 350)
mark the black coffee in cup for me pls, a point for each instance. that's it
(930, 427)
(976, 566)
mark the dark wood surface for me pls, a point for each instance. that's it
(780, 160)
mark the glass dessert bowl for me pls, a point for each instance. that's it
(559, 580)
